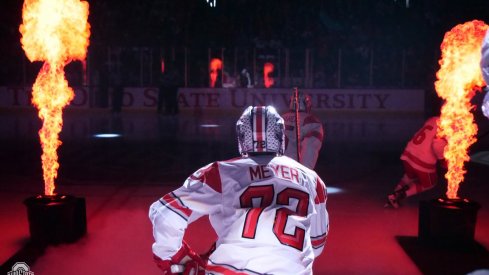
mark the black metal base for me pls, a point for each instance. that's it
(56, 219)
(447, 222)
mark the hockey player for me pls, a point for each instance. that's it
(310, 131)
(269, 211)
(485, 73)
(420, 159)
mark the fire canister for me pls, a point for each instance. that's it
(449, 222)
(56, 219)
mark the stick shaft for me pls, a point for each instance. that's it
(297, 124)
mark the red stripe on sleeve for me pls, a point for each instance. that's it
(175, 203)
(320, 192)
(318, 242)
(418, 161)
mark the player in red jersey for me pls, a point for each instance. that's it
(311, 131)
(420, 159)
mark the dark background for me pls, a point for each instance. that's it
(387, 26)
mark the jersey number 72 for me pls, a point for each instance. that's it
(266, 194)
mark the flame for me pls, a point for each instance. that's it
(57, 32)
(457, 79)
(214, 67)
(267, 69)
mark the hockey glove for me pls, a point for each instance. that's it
(186, 258)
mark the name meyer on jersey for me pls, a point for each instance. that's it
(259, 172)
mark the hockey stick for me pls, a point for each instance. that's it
(297, 129)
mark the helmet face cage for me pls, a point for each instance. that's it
(260, 129)
(304, 102)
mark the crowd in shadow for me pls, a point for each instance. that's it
(355, 43)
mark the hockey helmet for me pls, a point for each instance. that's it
(260, 129)
(304, 101)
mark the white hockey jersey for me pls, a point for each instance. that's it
(485, 58)
(311, 136)
(425, 149)
(269, 213)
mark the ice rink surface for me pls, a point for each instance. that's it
(120, 177)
